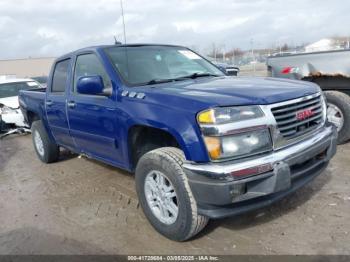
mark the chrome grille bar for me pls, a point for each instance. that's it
(287, 121)
(297, 106)
(278, 117)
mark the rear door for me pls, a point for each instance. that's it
(55, 104)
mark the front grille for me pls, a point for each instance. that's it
(288, 123)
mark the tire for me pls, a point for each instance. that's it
(47, 151)
(342, 102)
(168, 162)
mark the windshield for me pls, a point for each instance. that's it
(140, 65)
(12, 89)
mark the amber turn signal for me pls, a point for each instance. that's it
(213, 146)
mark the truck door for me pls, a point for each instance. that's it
(93, 119)
(56, 104)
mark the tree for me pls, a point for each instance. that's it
(285, 48)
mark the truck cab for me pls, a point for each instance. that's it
(201, 144)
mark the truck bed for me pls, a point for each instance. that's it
(326, 63)
(43, 90)
(33, 99)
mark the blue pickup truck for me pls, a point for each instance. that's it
(202, 145)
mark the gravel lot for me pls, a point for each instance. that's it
(80, 206)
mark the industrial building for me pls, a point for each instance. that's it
(27, 67)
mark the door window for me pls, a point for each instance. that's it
(60, 76)
(89, 65)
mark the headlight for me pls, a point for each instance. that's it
(7, 110)
(239, 145)
(222, 115)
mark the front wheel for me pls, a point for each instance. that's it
(338, 113)
(165, 195)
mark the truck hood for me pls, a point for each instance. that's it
(227, 91)
(10, 101)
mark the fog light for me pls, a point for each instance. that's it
(238, 190)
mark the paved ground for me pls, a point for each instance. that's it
(258, 69)
(79, 206)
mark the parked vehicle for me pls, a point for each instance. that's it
(10, 115)
(42, 80)
(331, 71)
(202, 145)
(228, 69)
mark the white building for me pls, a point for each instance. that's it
(326, 44)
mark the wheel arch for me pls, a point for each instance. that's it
(144, 138)
(31, 116)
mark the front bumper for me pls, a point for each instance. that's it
(219, 195)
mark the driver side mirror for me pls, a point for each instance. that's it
(92, 85)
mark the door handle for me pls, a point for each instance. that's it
(48, 103)
(71, 104)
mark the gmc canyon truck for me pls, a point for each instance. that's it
(331, 71)
(201, 144)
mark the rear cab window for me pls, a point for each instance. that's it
(60, 76)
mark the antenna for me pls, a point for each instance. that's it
(116, 42)
(121, 6)
(125, 48)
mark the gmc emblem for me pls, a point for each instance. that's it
(302, 115)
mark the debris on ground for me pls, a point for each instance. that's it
(19, 130)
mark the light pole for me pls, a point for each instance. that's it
(224, 53)
(253, 57)
(121, 6)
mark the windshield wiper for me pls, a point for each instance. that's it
(196, 75)
(167, 80)
(159, 81)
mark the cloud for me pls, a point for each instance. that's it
(51, 28)
(186, 25)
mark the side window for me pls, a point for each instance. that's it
(89, 65)
(60, 75)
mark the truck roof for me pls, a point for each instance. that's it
(94, 48)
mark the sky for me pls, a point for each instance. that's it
(37, 28)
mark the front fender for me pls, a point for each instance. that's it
(179, 122)
(184, 132)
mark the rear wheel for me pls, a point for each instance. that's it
(338, 113)
(165, 195)
(46, 150)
